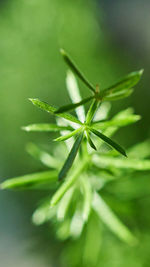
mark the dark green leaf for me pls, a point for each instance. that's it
(75, 69)
(90, 141)
(91, 111)
(70, 159)
(44, 106)
(46, 127)
(73, 106)
(109, 141)
(126, 83)
(31, 181)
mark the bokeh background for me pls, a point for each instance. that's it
(107, 39)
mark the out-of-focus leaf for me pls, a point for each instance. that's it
(46, 127)
(68, 183)
(120, 122)
(141, 150)
(128, 163)
(43, 213)
(77, 223)
(109, 141)
(87, 195)
(64, 204)
(43, 156)
(111, 220)
(73, 106)
(126, 83)
(74, 94)
(67, 136)
(38, 180)
(76, 71)
(71, 157)
(46, 107)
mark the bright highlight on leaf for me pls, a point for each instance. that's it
(46, 127)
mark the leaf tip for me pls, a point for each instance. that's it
(62, 52)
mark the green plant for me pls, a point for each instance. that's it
(77, 204)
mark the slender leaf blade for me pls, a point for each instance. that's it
(73, 106)
(118, 95)
(71, 157)
(111, 220)
(31, 181)
(74, 93)
(76, 71)
(90, 141)
(67, 136)
(91, 111)
(109, 141)
(46, 127)
(126, 83)
(50, 109)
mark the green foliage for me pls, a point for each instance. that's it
(78, 204)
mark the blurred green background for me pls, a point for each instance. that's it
(107, 39)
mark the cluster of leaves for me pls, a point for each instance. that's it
(77, 203)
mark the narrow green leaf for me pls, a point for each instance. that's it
(31, 181)
(129, 163)
(43, 213)
(67, 136)
(91, 111)
(73, 106)
(109, 141)
(64, 204)
(44, 106)
(118, 95)
(74, 93)
(46, 127)
(140, 151)
(68, 182)
(70, 159)
(90, 140)
(119, 122)
(111, 220)
(75, 69)
(126, 83)
(87, 194)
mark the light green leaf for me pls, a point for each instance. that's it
(109, 141)
(47, 159)
(119, 122)
(74, 93)
(126, 83)
(118, 95)
(43, 213)
(44, 106)
(111, 220)
(73, 106)
(87, 195)
(141, 150)
(46, 127)
(64, 204)
(68, 182)
(129, 163)
(67, 136)
(71, 157)
(38, 180)
(76, 71)
(91, 111)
